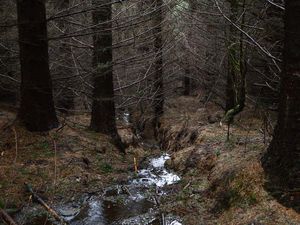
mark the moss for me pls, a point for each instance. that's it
(106, 168)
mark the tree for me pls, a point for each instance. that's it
(36, 108)
(103, 108)
(282, 159)
(158, 74)
(236, 74)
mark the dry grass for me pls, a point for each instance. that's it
(232, 192)
(61, 164)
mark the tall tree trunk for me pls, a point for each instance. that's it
(65, 100)
(158, 75)
(235, 90)
(282, 159)
(103, 108)
(37, 107)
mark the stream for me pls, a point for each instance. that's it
(136, 202)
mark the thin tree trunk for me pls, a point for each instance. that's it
(37, 107)
(232, 58)
(158, 75)
(235, 90)
(103, 109)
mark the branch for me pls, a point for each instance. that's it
(247, 35)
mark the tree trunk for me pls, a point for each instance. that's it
(65, 100)
(235, 90)
(158, 75)
(103, 109)
(37, 108)
(282, 159)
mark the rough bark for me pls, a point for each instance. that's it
(36, 108)
(235, 90)
(282, 159)
(103, 108)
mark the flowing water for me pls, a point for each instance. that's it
(133, 203)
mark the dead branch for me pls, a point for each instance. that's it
(6, 218)
(44, 204)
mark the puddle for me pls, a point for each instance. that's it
(134, 203)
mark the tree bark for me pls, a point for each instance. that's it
(235, 90)
(282, 159)
(36, 108)
(103, 108)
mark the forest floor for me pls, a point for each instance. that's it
(222, 182)
(60, 165)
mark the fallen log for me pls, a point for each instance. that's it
(6, 218)
(45, 205)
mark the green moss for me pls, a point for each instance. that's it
(106, 168)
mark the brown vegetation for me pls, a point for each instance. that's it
(223, 182)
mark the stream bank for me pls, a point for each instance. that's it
(223, 182)
(134, 202)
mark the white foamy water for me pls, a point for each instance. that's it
(160, 161)
(129, 202)
(156, 174)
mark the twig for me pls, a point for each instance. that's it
(186, 186)
(126, 190)
(266, 52)
(44, 204)
(135, 165)
(6, 218)
(163, 219)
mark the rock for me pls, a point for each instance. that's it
(126, 135)
(69, 211)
